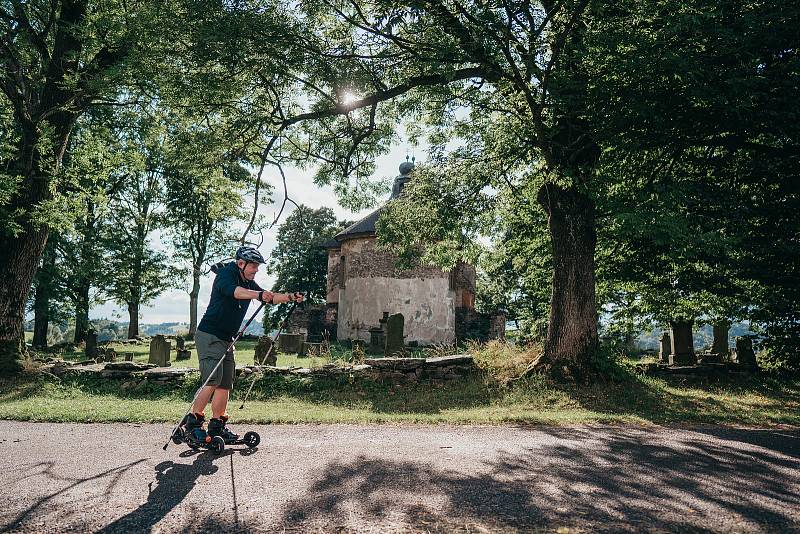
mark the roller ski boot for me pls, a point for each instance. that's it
(218, 428)
(191, 432)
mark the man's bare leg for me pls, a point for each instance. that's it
(202, 399)
(220, 402)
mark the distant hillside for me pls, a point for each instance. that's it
(703, 336)
(108, 330)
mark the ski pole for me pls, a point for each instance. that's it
(197, 394)
(271, 348)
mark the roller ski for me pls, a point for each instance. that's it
(219, 428)
(191, 432)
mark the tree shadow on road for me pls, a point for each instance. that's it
(47, 469)
(607, 479)
(173, 482)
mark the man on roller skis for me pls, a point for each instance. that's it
(234, 287)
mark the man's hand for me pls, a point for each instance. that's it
(267, 296)
(282, 298)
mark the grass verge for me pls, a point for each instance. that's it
(757, 400)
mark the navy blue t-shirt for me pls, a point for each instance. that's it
(225, 313)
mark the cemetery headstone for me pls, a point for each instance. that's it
(291, 343)
(91, 345)
(159, 351)
(263, 354)
(665, 348)
(394, 334)
(682, 352)
(745, 355)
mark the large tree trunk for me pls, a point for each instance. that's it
(53, 114)
(133, 314)
(572, 331)
(19, 257)
(41, 316)
(193, 297)
(20, 253)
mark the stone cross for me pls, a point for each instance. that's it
(394, 335)
(682, 343)
(159, 351)
(665, 348)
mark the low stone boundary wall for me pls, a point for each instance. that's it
(134, 374)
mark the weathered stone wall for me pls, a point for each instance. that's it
(134, 375)
(362, 260)
(426, 304)
(334, 275)
(462, 281)
(309, 321)
(373, 285)
(330, 320)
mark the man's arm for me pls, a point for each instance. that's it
(251, 294)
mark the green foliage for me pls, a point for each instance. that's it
(204, 192)
(135, 272)
(298, 261)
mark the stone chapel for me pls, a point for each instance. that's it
(364, 286)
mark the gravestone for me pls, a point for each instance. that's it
(720, 345)
(745, 355)
(682, 344)
(394, 334)
(159, 351)
(377, 340)
(291, 343)
(182, 354)
(180, 343)
(665, 348)
(265, 356)
(91, 345)
(129, 357)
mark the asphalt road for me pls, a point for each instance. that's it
(323, 478)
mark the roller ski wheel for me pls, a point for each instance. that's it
(196, 442)
(217, 444)
(251, 439)
(177, 436)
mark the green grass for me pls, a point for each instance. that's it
(245, 352)
(484, 398)
(476, 400)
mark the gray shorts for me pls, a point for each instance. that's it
(210, 349)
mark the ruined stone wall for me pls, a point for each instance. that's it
(362, 260)
(373, 285)
(471, 324)
(426, 304)
(334, 274)
(462, 281)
